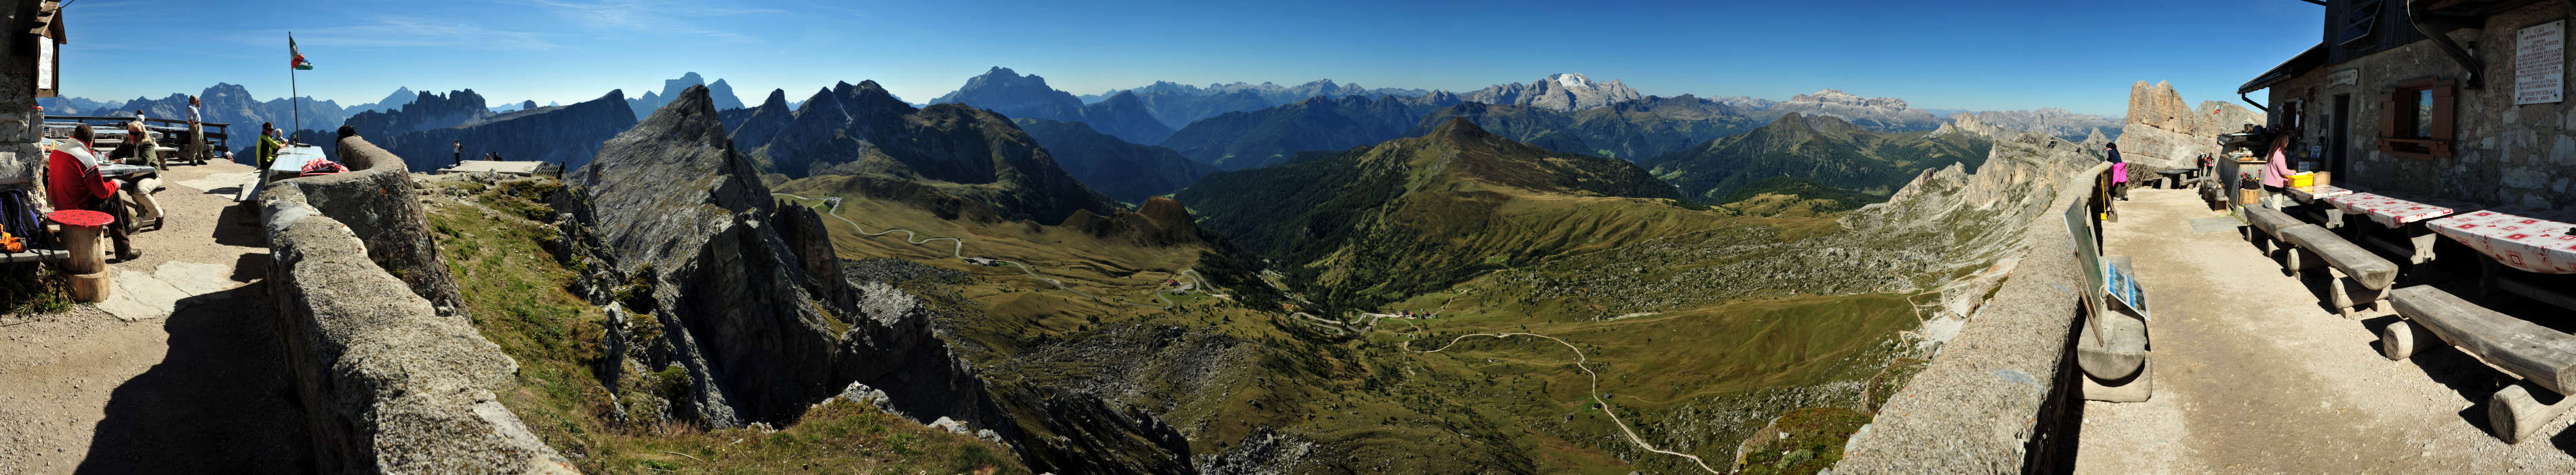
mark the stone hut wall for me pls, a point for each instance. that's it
(2506, 154)
(389, 383)
(2001, 397)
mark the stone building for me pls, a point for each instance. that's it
(2449, 99)
(22, 161)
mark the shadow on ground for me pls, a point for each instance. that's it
(219, 402)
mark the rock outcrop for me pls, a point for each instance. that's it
(748, 297)
(389, 382)
(1562, 92)
(2163, 132)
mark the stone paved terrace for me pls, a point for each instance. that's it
(2252, 374)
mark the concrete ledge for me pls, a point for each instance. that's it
(388, 384)
(1994, 400)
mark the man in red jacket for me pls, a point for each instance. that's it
(72, 182)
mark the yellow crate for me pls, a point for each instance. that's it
(2303, 180)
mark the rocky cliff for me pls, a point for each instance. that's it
(1124, 171)
(2163, 132)
(567, 135)
(690, 238)
(1562, 92)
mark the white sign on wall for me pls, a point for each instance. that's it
(2540, 63)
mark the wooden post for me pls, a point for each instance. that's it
(2516, 416)
(2401, 340)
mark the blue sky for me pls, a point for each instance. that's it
(2079, 55)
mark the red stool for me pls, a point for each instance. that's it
(88, 266)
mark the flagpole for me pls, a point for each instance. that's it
(295, 96)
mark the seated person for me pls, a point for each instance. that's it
(72, 182)
(139, 148)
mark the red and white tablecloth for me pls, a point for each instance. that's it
(2531, 244)
(2390, 212)
(2306, 195)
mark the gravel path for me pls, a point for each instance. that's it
(204, 390)
(1595, 393)
(2253, 375)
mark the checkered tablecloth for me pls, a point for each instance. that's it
(2530, 244)
(2390, 212)
(2308, 195)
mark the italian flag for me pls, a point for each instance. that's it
(298, 62)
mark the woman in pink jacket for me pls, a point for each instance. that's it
(2275, 167)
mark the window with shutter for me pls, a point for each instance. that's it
(2418, 118)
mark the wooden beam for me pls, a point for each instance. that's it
(2538, 354)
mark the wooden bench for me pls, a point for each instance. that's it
(2541, 357)
(2265, 230)
(2115, 359)
(2358, 277)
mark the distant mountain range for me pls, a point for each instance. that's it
(1886, 114)
(1001, 90)
(651, 101)
(1822, 150)
(1631, 130)
(1561, 92)
(859, 140)
(1240, 140)
(1124, 171)
(1272, 93)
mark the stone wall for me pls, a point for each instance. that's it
(2507, 154)
(2000, 397)
(22, 162)
(379, 207)
(389, 383)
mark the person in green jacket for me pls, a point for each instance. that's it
(268, 145)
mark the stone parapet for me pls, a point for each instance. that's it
(388, 382)
(2000, 397)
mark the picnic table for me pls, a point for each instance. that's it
(2539, 246)
(2401, 217)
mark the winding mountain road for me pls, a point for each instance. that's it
(1595, 393)
(958, 250)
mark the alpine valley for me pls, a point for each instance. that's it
(1219, 278)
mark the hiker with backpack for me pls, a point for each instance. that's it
(72, 182)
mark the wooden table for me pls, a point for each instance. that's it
(2524, 251)
(2400, 217)
(2311, 198)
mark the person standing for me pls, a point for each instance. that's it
(2119, 172)
(196, 145)
(2275, 168)
(460, 152)
(266, 155)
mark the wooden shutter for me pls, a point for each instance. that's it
(2445, 120)
(2387, 119)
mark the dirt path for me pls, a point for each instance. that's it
(201, 390)
(1580, 362)
(2251, 374)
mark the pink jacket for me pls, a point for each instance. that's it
(2276, 167)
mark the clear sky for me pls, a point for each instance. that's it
(1993, 55)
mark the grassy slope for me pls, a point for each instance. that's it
(516, 292)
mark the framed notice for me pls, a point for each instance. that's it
(2540, 63)
(2124, 287)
